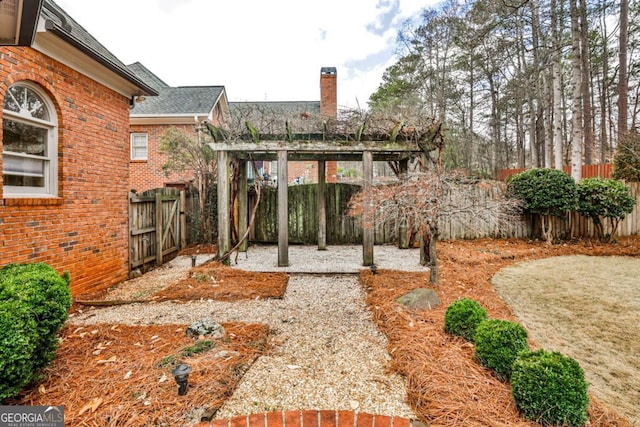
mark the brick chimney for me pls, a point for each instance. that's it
(328, 93)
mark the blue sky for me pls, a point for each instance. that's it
(259, 50)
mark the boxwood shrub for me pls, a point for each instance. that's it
(37, 300)
(550, 388)
(463, 317)
(18, 339)
(498, 344)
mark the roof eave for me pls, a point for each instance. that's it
(65, 36)
(167, 119)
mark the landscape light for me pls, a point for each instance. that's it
(181, 375)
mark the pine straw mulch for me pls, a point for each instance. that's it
(445, 385)
(209, 281)
(222, 283)
(119, 375)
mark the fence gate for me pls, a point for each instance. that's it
(156, 226)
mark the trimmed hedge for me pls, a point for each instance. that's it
(550, 388)
(34, 301)
(463, 317)
(18, 339)
(498, 344)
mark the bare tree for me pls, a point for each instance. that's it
(428, 199)
(186, 153)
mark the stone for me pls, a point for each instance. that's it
(420, 299)
(206, 328)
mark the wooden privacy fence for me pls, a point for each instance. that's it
(575, 225)
(602, 170)
(157, 224)
(343, 229)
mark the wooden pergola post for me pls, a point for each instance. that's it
(403, 235)
(322, 206)
(283, 209)
(243, 204)
(368, 214)
(224, 238)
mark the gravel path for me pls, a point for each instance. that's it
(328, 354)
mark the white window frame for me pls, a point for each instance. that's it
(133, 137)
(50, 188)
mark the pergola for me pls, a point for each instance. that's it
(306, 148)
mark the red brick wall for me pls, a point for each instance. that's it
(84, 230)
(328, 95)
(148, 174)
(308, 171)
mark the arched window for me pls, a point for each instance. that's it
(29, 143)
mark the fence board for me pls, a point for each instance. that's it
(154, 226)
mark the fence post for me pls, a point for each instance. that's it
(322, 205)
(158, 229)
(243, 208)
(183, 219)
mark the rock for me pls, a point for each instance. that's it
(420, 299)
(226, 354)
(207, 328)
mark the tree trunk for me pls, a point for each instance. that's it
(576, 109)
(557, 83)
(586, 85)
(623, 83)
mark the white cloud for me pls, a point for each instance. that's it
(257, 49)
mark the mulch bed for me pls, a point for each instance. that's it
(119, 375)
(209, 281)
(219, 282)
(446, 386)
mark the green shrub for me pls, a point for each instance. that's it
(550, 388)
(498, 344)
(17, 343)
(36, 294)
(463, 317)
(604, 199)
(546, 193)
(626, 161)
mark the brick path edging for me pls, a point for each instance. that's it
(311, 418)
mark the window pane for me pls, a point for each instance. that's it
(24, 181)
(15, 165)
(23, 138)
(23, 171)
(23, 100)
(139, 146)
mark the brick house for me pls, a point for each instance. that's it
(179, 107)
(270, 117)
(65, 153)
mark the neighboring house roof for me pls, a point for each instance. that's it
(147, 76)
(270, 116)
(175, 105)
(58, 32)
(295, 107)
(186, 100)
